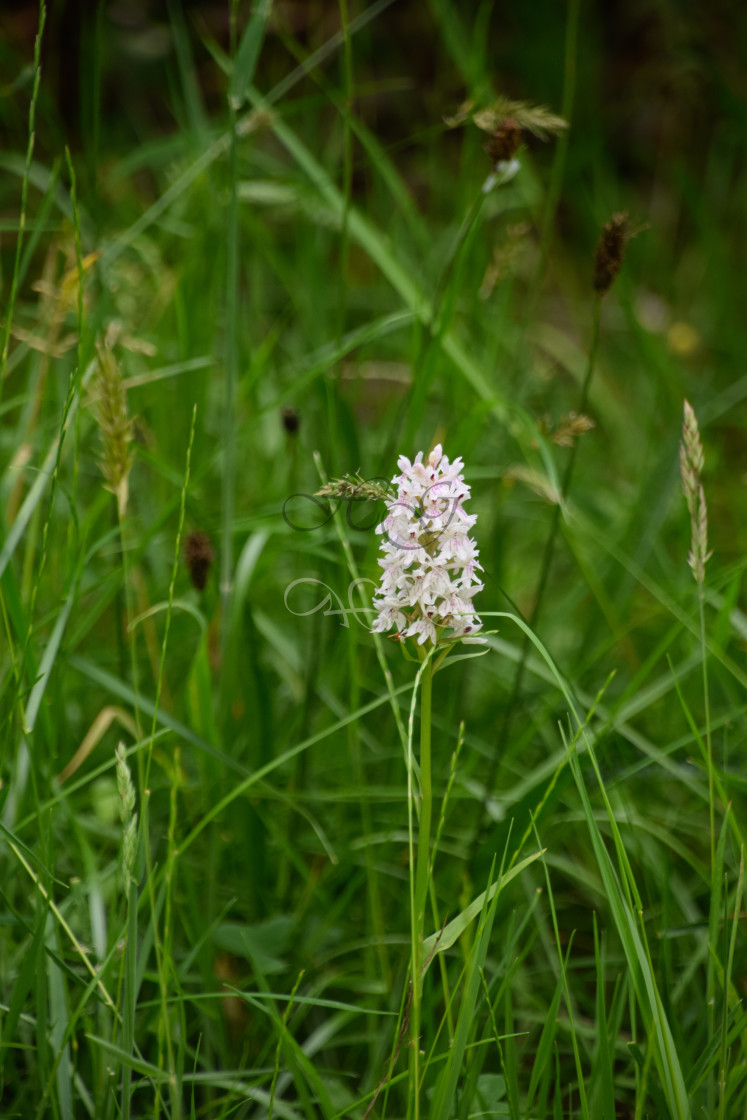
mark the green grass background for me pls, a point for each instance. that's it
(279, 218)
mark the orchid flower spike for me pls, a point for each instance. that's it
(430, 561)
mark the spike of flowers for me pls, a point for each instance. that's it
(692, 461)
(354, 487)
(127, 812)
(115, 425)
(430, 561)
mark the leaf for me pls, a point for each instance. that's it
(491, 1091)
(58, 1026)
(246, 57)
(440, 941)
(445, 1091)
(265, 942)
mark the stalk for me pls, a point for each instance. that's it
(421, 876)
(128, 1009)
(709, 741)
(15, 278)
(692, 462)
(547, 559)
(230, 382)
(130, 951)
(127, 796)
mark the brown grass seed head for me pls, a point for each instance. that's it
(504, 141)
(610, 252)
(199, 556)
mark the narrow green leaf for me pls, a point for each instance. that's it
(58, 1024)
(443, 1097)
(602, 1074)
(137, 1065)
(245, 62)
(543, 1054)
(24, 981)
(642, 977)
(440, 941)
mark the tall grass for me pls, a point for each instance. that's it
(296, 273)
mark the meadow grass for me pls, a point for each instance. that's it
(232, 819)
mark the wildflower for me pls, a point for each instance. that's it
(430, 562)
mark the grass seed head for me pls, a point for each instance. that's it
(291, 421)
(354, 487)
(610, 252)
(504, 141)
(537, 119)
(126, 789)
(692, 461)
(114, 424)
(199, 556)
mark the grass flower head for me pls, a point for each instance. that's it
(430, 561)
(692, 462)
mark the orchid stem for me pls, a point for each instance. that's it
(421, 875)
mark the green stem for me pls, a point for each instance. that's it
(128, 1011)
(561, 151)
(15, 278)
(421, 877)
(162, 948)
(130, 963)
(547, 559)
(426, 792)
(565, 487)
(709, 742)
(131, 632)
(230, 383)
(710, 974)
(430, 341)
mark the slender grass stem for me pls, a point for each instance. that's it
(549, 550)
(15, 279)
(162, 947)
(129, 998)
(709, 740)
(230, 380)
(79, 315)
(548, 554)
(710, 970)
(430, 340)
(74, 382)
(347, 163)
(130, 956)
(561, 152)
